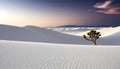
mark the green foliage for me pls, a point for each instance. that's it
(92, 36)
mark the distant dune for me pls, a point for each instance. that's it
(110, 35)
(36, 34)
(80, 31)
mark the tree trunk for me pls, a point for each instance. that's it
(95, 42)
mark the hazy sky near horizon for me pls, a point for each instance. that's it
(45, 13)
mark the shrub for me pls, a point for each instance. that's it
(92, 36)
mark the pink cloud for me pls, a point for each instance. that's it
(103, 5)
(107, 7)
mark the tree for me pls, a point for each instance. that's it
(92, 36)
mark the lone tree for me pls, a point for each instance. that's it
(92, 36)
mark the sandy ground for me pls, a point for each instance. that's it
(29, 55)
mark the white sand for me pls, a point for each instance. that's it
(23, 55)
(108, 31)
(37, 34)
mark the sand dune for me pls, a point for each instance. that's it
(109, 31)
(28, 55)
(36, 34)
(111, 35)
(113, 39)
(104, 31)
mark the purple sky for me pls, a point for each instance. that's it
(45, 13)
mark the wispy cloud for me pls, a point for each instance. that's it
(107, 7)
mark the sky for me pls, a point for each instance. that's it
(49, 13)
